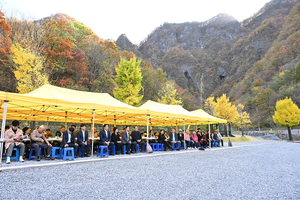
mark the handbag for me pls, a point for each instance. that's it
(149, 149)
(229, 143)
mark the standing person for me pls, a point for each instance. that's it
(13, 138)
(195, 140)
(220, 136)
(82, 139)
(105, 139)
(38, 140)
(126, 139)
(164, 140)
(137, 137)
(174, 139)
(68, 140)
(115, 138)
(187, 139)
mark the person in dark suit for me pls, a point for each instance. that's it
(126, 140)
(68, 140)
(82, 139)
(115, 138)
(137, 137)
(162, 139)
(174, 139)
(105, 139)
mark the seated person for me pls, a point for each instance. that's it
(38, 141)
(48, 134)
(96, 135)
(195, 140)
(26, 132)
(162, 139)
(216, 138)
(115, 138)
(137, 137)
(75, 131)
(60, 132)
(180, 136)
(220, 136)
(13, 138)
(82, 140)
(187, 140)
(126, 140)
(105, 139)
(174, 140)
(68, 140)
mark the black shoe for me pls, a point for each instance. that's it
(111, 154)
(39, 158)
(82, 156)
(76, 156)
(127, 153)
(86, 155)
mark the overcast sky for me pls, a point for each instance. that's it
(136, 18)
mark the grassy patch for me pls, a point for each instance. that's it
(240, 139)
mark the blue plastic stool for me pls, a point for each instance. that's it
(138, 148)
(125, 145)
(155, 146)
(15, 157)
(118, 152)
(54, 151)
(177, 146)
(67, 152)
(101, 152)
(79, 151)
(160, 146)
(31, 152)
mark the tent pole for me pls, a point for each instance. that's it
(183, 134)
(209, 135)
(93, 132)
(115, 121)
(66, 123)
(147, 129)
(47, 122)
(176, 127)
(3, 128)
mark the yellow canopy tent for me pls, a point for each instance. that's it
(51, 103)
(211, 119)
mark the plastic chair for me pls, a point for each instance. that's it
(155, 146)
(67, 152)
(161, 146)
(54, 151)
(118, 152)
(79, 151)
(101, 152)
(34, 156)
(15, 157)
(125, 145)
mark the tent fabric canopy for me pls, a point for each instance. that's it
(212, 119)
(56, 104)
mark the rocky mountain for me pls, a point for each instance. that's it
(219, 55)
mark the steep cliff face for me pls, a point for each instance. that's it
(125, 45)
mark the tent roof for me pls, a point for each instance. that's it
(212, 119)
(51, 103)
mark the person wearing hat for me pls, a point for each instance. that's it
(13, 138)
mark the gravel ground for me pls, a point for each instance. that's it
(256, 170)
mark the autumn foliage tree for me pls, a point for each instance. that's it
(168, 94)
(128, 82)
(287, 114)
(242, 118)
(5, 44)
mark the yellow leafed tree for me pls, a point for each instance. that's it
(242, 118)
(287, 114)
(168, 94)
(225, 110)
(28, 69)
(209, 105)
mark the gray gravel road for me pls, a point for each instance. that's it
(257, 170)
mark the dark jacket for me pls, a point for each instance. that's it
(80, 136)
(171, 137)
(136, 135)
(181, 138)
(66, 137)
(161, 138)
(115, 138)
(215, 137)
(103, 137)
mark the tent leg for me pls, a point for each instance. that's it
(184, 133)
(209, 135)
(147, 129)
(66, 123)
(3, 128)
(93, 132)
